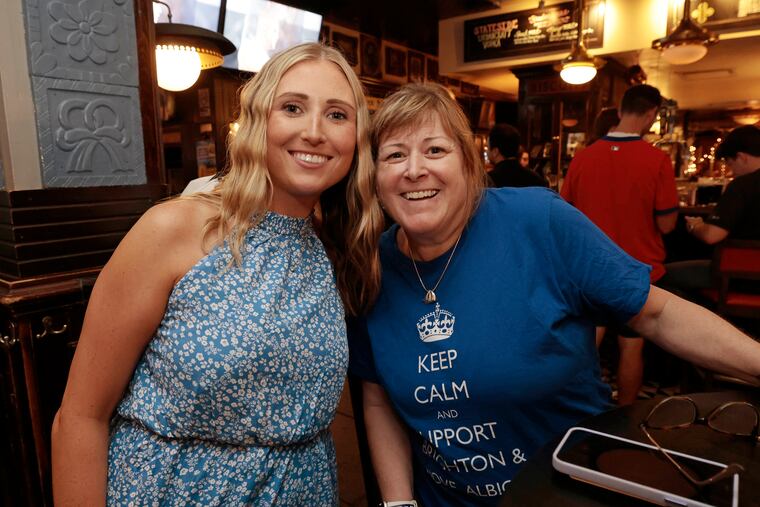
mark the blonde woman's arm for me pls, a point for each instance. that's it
(388, 444)
(126, 306)
(697, 335)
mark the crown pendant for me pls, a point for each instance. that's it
(430, 297)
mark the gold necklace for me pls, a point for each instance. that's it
(430, 293)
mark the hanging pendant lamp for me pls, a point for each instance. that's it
(183, 51)
(579, 67)
(687, 43)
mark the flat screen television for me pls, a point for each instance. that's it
(202, 13)
(260, 28)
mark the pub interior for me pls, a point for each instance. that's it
(89, 140)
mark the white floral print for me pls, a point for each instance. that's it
(231, 402)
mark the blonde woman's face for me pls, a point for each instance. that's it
(311, 135)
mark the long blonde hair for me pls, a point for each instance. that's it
(351, 215)
(411, 106)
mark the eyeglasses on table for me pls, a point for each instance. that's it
(737, 418)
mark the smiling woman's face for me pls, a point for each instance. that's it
(421, 183)
(311, 135)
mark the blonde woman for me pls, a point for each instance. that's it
(213, 350)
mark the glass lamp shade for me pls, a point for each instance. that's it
(687, 43)
(747, 118)
(183, 51)
(177, 67)
(684, 54)
(577, 72)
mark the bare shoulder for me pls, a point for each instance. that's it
(168, 238)
(177, 218)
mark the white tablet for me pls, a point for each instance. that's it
(640, 470)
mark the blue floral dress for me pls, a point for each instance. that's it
(232, 400)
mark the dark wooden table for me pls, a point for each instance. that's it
(538, 484)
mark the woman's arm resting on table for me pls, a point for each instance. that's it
(126, 306)
(697, 335)
(389, 445)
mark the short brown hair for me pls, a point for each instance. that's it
(640, 99)
(415, 103)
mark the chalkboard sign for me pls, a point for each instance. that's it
(552, 28)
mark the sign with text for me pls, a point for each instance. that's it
(552, 28)
(718, 14)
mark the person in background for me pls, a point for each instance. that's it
(627, 188)
(213, 351)
(503, 151)
(480, 347)
(736, 216)
(202, 184)
(524, 159)
(605, 121)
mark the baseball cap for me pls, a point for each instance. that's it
(745, 139)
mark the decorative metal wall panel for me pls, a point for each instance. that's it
(84, 40)
(90, 134)
(83, 62)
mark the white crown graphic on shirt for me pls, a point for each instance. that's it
(436, 325)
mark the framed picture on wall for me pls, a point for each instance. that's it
(371, 57)
(394, 63)
(453, 84)
(416, 66)
(469, 88)
(431, 70)
(347, 41)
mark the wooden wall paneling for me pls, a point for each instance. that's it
(60, 196)
(43, 325)
(30, 382)
(226, 104)
(21, 473)
(47, 265)
(149, 101)
(76, 212)
(42, 232)
(57, 230)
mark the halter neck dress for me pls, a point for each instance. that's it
(231, 402)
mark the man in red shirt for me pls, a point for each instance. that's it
(627, 188)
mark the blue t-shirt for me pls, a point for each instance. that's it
(506, 360)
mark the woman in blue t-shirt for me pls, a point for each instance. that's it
(480, 347)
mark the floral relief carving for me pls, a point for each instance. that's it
(41, 61)
(87, 126)
(85, 29)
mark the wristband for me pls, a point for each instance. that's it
(401, 503)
